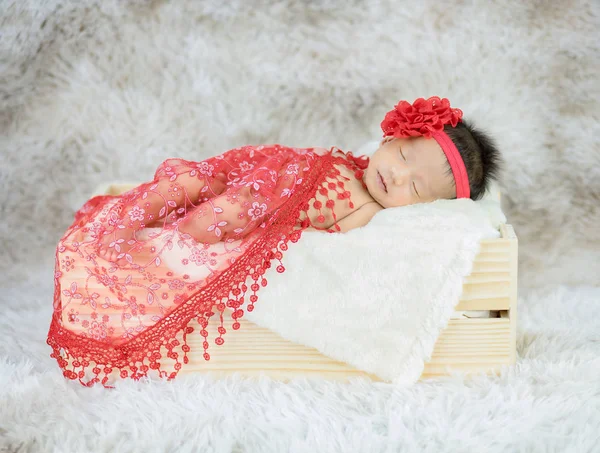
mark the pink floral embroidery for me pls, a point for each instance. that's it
(91, 300)
(177, 284)
(97, 330)
(116, 245)
(73, 316)
(246, 166)
(199, 257)
(136, 213)
(254, 184)
(114, 220)
(68, 264)
(205, 168)
(72, 292)
(257, 210)
(292, 169)
(215, 227)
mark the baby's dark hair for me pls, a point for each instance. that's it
(480, 155)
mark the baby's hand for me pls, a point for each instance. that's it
(114, 243)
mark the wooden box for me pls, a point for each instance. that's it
(471, 345)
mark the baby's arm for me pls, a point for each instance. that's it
(360, 217)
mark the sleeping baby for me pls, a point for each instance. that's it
(232, 215)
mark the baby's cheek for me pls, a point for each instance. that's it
(399, 200)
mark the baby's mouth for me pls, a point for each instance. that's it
(382, 181)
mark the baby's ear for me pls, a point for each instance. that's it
(389, 138)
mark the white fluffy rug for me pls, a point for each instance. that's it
(92, 91)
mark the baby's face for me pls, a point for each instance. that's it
(406, 171)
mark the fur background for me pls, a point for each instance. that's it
(93, 91)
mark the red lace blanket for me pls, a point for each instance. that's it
(231, 216)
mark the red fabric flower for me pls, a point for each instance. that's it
(422, 118)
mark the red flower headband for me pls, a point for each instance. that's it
(426, 118)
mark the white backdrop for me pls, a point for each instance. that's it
(95, 91)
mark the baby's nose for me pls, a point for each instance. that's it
(399, 175)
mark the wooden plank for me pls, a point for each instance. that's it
(489, 285)
(489, 266)
(477, 344)
(485, 291)
(492, 303)
(487, 277)
(508, 234)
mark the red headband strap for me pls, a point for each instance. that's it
(427, 118)
(456, 164)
